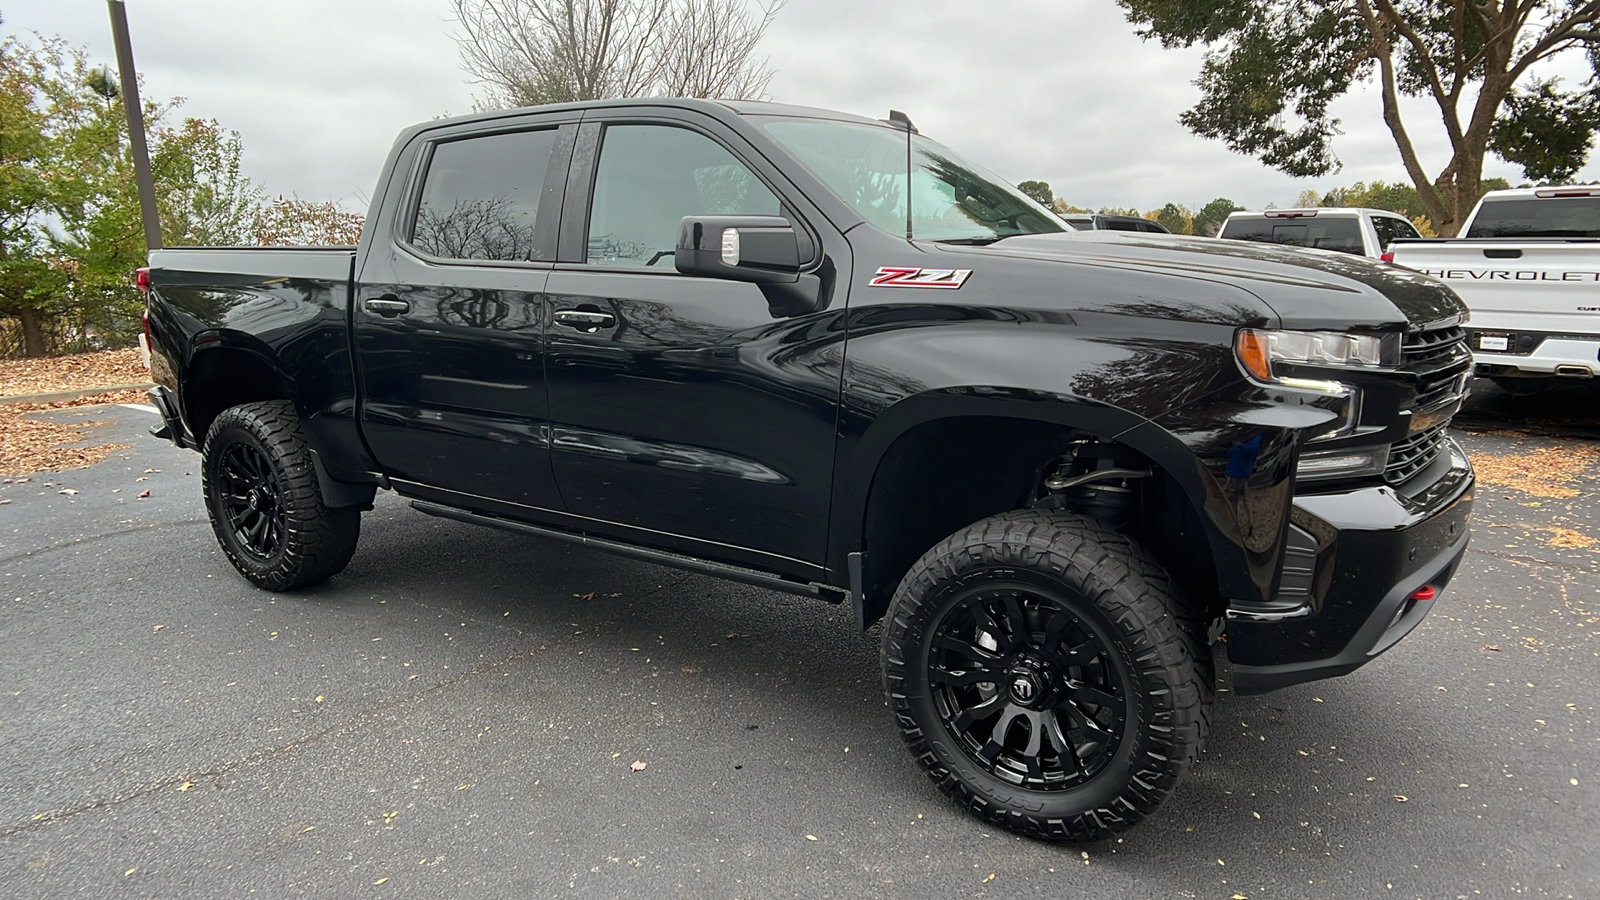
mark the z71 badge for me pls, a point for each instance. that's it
(900, 276)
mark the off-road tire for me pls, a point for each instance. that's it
(1081, 579)
(261, 494)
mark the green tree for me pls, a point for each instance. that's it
(70, 230)
(1273, 67)
(1174, 218)
(1039, 191)
(1546, 131)
(1208, 221)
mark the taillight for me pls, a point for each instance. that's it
(141, 278)
(1387, 256)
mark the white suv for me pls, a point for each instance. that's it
(1364, 232)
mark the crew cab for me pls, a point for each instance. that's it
(1528, 266)
(1347, 229)
(822, 354)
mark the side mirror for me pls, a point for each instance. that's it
(754, 249)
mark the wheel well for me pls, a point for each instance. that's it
(219, 379)
(942, 476)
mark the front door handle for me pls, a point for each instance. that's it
(387, 306)
(585, 320)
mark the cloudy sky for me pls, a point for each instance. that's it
(1057, 90)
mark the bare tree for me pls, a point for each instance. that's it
(527, 52)
(710, 51)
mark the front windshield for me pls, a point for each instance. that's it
(951, 199)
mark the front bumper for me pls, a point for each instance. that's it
(1376, 548)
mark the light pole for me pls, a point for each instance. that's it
(135, 111)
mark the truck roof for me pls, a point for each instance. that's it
(715, 107)
(1544, 193)
(1312, 211)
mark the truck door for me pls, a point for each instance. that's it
(448, 320)
(685, 415)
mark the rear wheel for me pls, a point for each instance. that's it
(261, 495)
(1046, 676)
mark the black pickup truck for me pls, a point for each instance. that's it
(825, 355)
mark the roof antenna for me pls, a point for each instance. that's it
(900, 120)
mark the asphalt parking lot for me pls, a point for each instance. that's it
(465, 712)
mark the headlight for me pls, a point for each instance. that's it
(1261, 353)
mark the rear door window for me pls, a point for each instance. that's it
(1390, 229)
(480, 197)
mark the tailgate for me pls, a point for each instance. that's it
(1546, 286)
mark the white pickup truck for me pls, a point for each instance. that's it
(1528, 266)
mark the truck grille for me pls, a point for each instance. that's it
(1423, 347)
(1413, 454)
(1442, 363)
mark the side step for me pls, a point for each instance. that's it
(661, 557)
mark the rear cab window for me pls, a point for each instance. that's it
(1342, 233)
(1553, 217)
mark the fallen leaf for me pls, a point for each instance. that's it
(380, 881)
(154, 628)
(68, 491)
(989, 879)
(637, 765)
(811, 837)
(184, 788)
(144, 493)
(1494, 647)
(1401, 798)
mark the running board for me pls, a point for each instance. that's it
(661, 557)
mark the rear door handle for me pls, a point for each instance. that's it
(387, 306)
(587, 320)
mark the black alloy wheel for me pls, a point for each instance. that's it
(1031, 691)
(1047, 675)
(252, 502)
(266, 507)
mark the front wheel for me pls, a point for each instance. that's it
(1046, 675)
(261, 495)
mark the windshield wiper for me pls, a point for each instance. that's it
(983, 241)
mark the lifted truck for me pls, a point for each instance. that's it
(825, 355)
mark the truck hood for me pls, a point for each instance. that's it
(1307, 289)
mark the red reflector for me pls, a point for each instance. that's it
(1426, 592)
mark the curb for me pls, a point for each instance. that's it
(57, 396)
